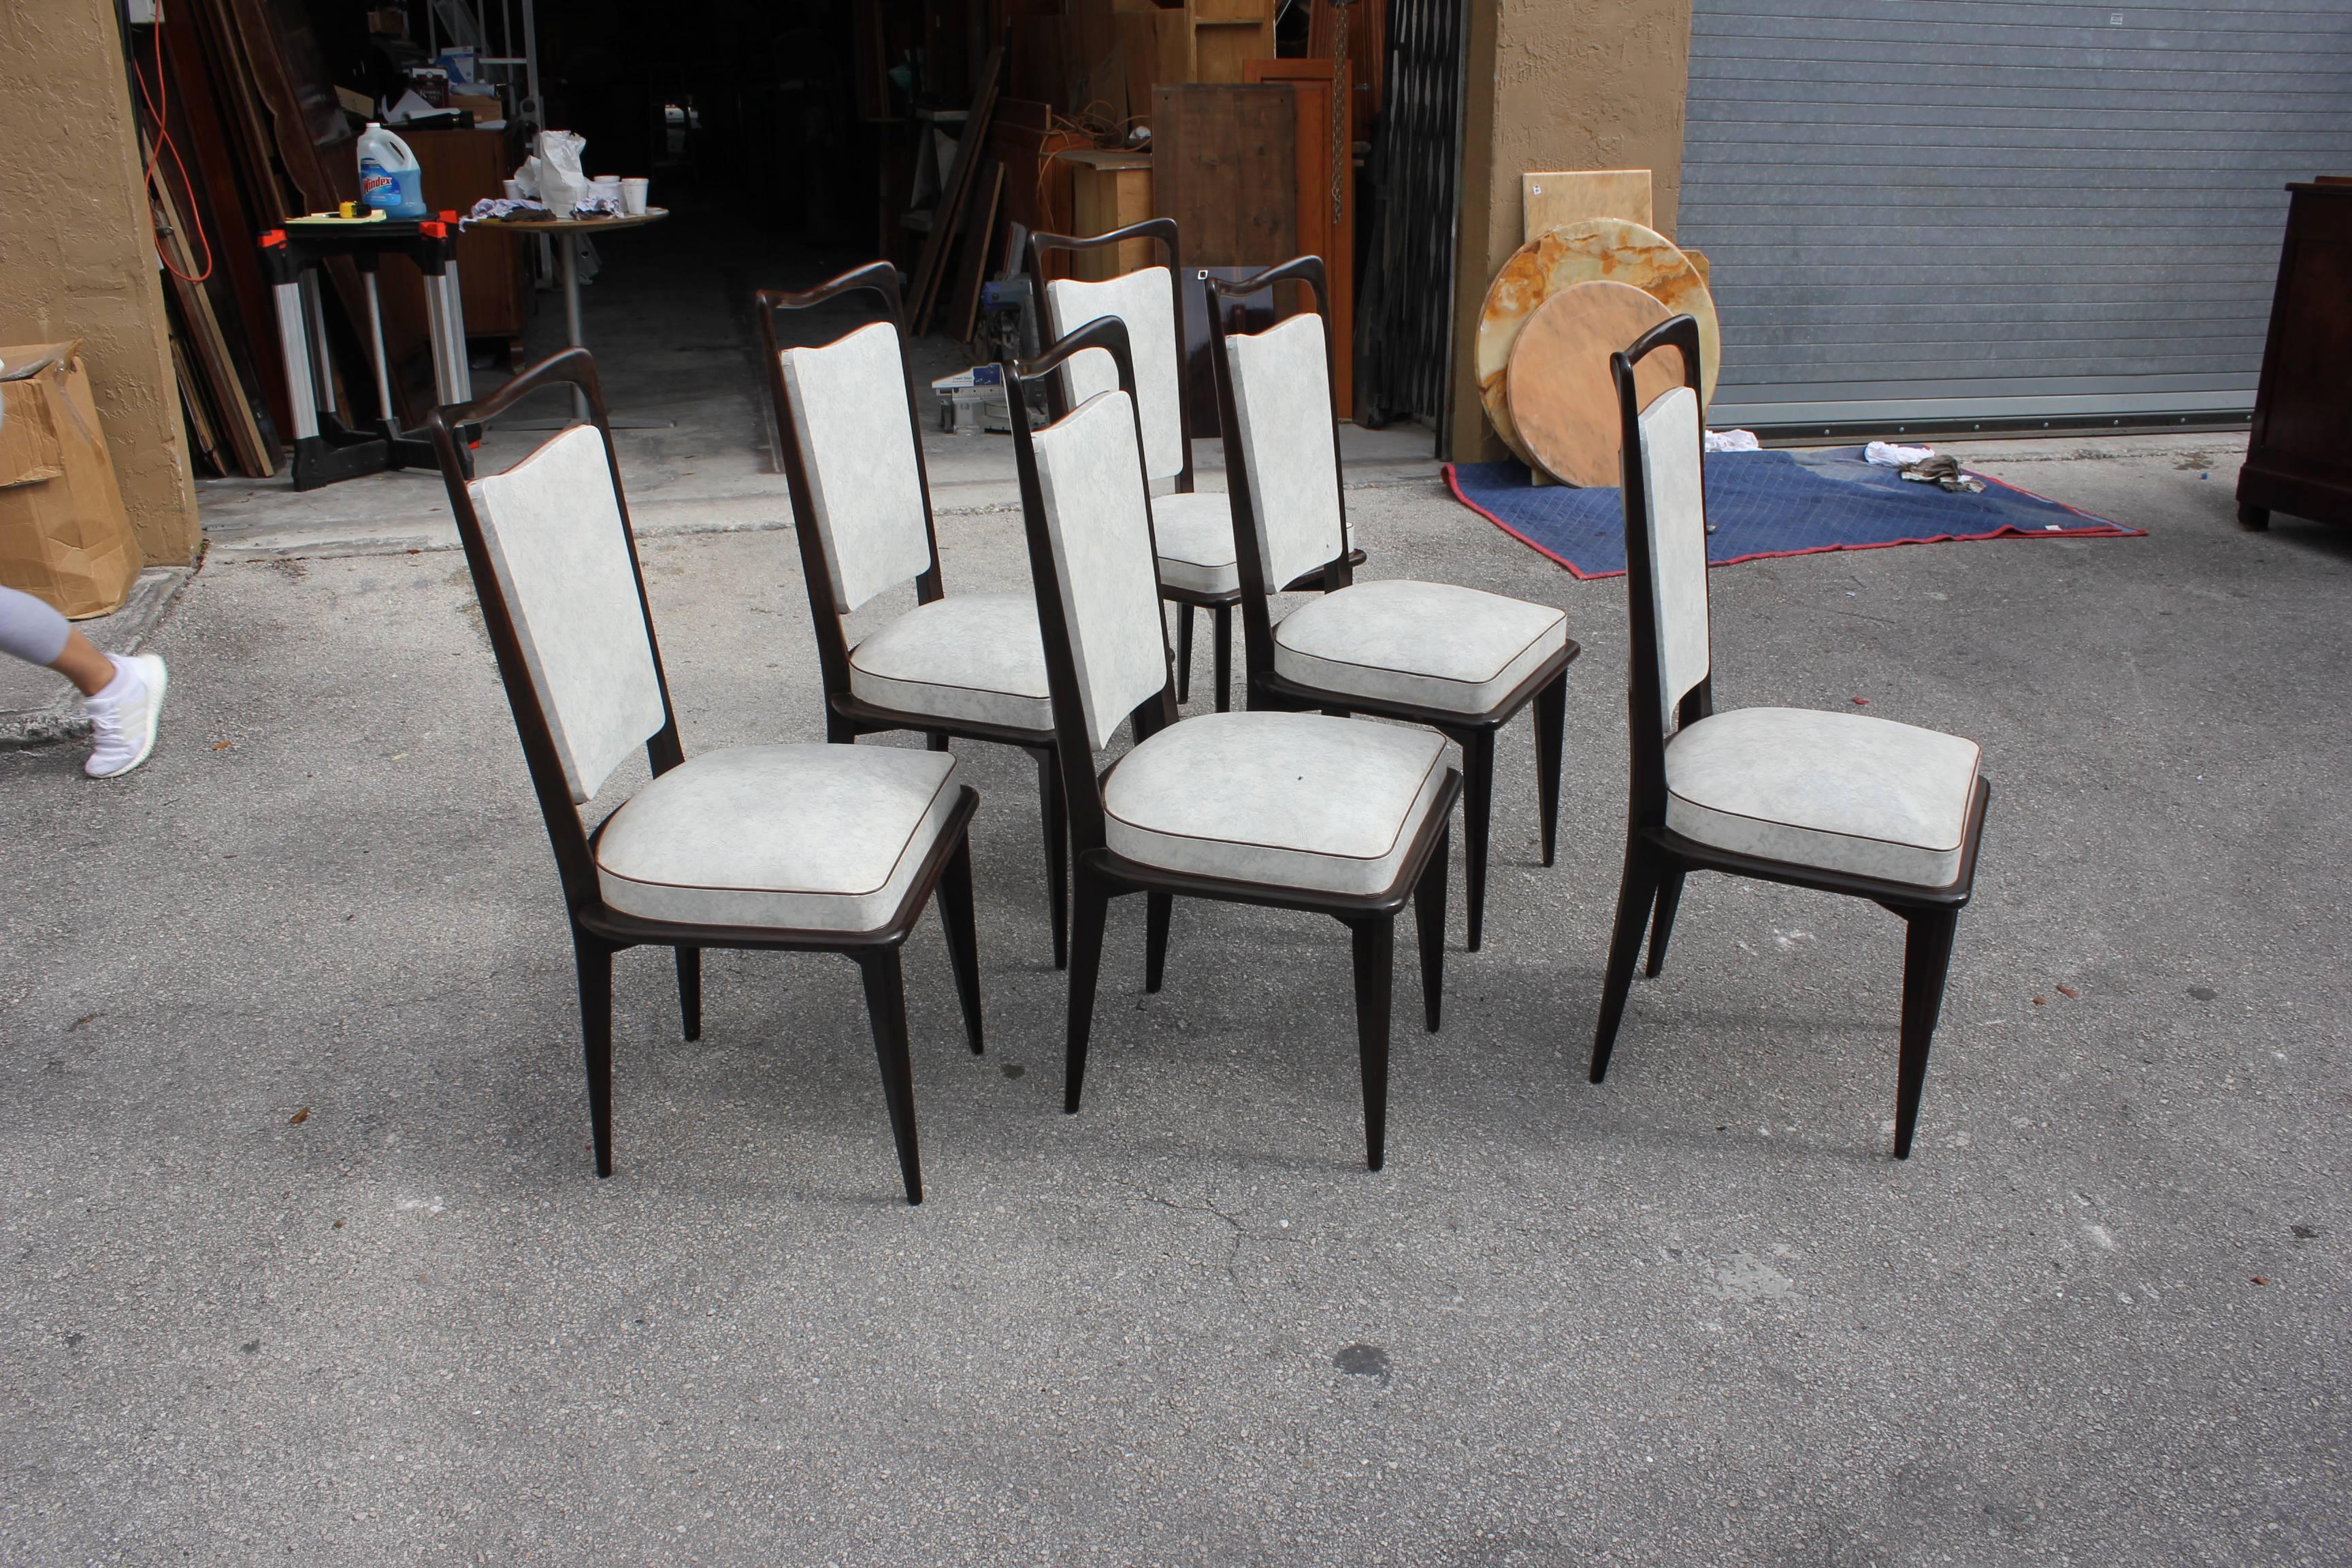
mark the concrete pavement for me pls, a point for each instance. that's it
(305, 1261)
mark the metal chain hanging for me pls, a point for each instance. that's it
(1341, 147)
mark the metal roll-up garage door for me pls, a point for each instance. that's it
(2001, 211)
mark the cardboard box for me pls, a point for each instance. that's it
(64, 534)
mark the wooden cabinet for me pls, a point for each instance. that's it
(2299, 459)
(1110, 190)
(460, 168)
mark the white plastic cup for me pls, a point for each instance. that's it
(514, 190)
(633, 196)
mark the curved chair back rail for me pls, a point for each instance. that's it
(878, 541)
(1666, 551)
(1156, 343)
(1840, 803)
(1268, 537)
(1080, 709)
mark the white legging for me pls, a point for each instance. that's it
(29, 629)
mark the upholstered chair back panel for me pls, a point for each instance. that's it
(1672, 478)
(849, 418)
(1282, 397)
(1091, 480)
(561, 553)
(1142, 301)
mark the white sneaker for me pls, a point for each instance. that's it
(124, 715)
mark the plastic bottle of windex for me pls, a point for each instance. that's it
(389, 175)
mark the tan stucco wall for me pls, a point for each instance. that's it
(77, 253)
(1557, 84)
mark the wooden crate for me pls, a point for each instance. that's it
(1224, 35)
(1110, 190)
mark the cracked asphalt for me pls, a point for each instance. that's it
(305, 1261)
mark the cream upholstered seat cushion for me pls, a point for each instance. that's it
(1837, 792)
(1295, 800)
(1431, 644)
(1195, 534)
(808, 837)
(975, 656)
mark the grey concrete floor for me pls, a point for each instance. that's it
(670, 319)
(306, 1260)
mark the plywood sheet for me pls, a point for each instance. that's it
(1562, 398)
(1326, 208)
(1550, 198)
(1224, 167)
(1598, 249)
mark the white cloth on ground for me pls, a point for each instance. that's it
(1887, 455)
(1733, 441)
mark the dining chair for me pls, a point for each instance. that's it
(1295, 811)
(1460, 660)
(1199, 568)
(962, 665)
(818, 848)
(1841, 802)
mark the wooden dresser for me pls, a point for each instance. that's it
(2299, 460)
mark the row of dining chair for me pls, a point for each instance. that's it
(1297, 801)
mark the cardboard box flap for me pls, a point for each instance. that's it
(22, 362)
(28, 438)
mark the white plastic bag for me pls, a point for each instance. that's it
(552, 173)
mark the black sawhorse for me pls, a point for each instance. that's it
(325, 448)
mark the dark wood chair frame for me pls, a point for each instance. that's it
(848, 715)
(1186, 600)
(1102, 875)
(1546, 688)
(599, 932)
(1657, 859)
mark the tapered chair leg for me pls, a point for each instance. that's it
(1157, 908)
(1222, 620)
(690, 991)
(1375, 955)
(1184, 613)
(963, 944)
(1056, 812)
(1926, 959)
(595, 960)
(1429, 919)
(1477, 809)
(1635, 895)
(1661, 925)
(886, 1008)
(1551, 720)
(1086, 964)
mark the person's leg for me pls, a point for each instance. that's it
(37, 634)
(124, 695)
(81, 663)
